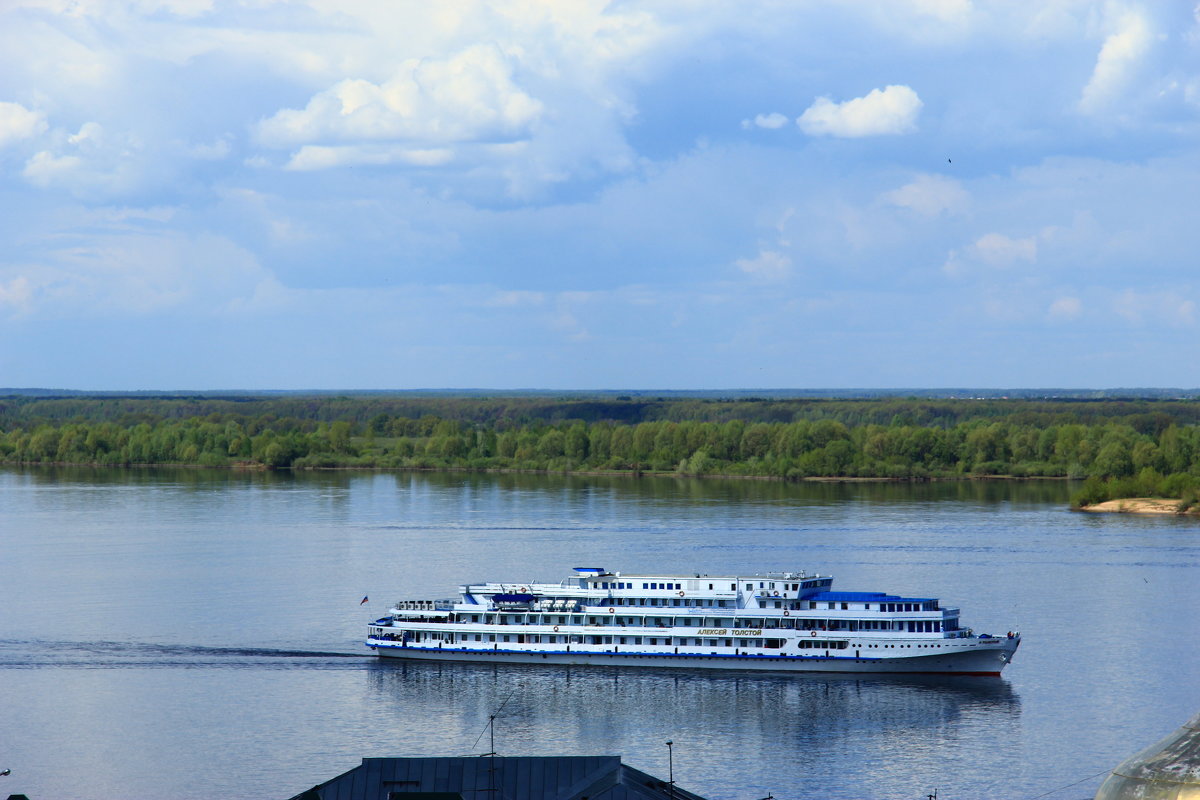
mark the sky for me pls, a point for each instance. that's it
(575, 194)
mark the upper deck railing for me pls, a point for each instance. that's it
(424, 605)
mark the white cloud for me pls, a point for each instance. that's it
(772, 121)
(892, 110)
(312, 156)
(944, 10)
(90, 162)
(90, 134)
(45, 168)
(993, 250)
(768, 265)
(214, 151)
(930, 195)
(1065, 308)
(18, 122)
(16, 294)
(501, 94)
(1117, 63)
(1002, 251)
(469, 96)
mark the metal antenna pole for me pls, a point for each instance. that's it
(491, 731)
(671, 770)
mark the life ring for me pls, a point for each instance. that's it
(556, 629)
(524, 589)
(785, 613)
(612, 611)
(681, 594)
(777, 594)
(814, 633)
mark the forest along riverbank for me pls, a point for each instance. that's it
(1155, 442)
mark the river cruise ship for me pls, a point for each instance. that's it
(780, 621)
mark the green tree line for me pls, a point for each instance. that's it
(515, 411)
(1160, 453)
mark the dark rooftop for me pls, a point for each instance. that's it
(498, 778)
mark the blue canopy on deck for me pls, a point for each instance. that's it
(512, 597)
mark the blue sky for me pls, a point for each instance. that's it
(674, 195)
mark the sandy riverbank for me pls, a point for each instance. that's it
(1138, 505)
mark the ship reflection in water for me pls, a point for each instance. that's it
(735, 733)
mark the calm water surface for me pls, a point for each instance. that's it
(195, 634)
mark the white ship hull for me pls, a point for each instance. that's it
(986, 662)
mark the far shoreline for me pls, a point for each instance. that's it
(255, 466)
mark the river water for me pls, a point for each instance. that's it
(195, 634)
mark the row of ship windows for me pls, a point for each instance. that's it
(732, 587)
(885, 607)
(423, 637)
(627, 585)
(901, 646)
(427, 637)
(809, 604)
(674, 601)
(677, 602)
(911, 626)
